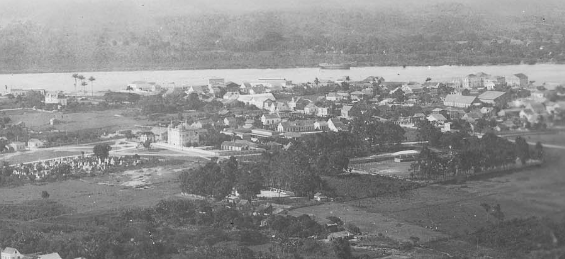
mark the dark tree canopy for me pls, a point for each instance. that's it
(102, 151)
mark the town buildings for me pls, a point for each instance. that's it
(461, 101)
(183, 135)
(517, 80)
(494, 97)
(55, 98)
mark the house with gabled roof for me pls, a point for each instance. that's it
(336, 125)
(437, 118)
(292, 103)
(321, 125)
(412, 88)
(11, 253)
(270, 119)
(333, 96)
(256, 99)
(310, 109)
(199, 89)
(322, 111)
(345, 111)
(357, 95)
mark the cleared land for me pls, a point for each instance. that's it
(108, 192)
(387, 168)
(453, 211)
(39, 120)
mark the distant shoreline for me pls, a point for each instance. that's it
(180, 68)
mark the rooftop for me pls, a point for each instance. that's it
(491, 95)
(455, 98)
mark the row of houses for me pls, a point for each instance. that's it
(483, 80)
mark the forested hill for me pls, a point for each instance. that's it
(79, 35)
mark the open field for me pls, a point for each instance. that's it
(38, 120)
(454, 211)
(387, 168)
(551, 139)
(370, 223)
(107, 192)
(30, 156)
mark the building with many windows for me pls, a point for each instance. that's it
(184, 135)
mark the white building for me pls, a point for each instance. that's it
(55, 98)
(256, 99)
(184, 134)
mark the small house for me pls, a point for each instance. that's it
(346, 235)
(320, 197)
(34, 143)
(17, 146)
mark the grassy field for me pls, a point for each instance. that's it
(29, 156)
(449, 213)
(38, 120)
(103, 193)
(387, 168)
(553, 139)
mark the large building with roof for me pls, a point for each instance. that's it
(183, 135)
(517, 80)
(461, 101)
(494, 97)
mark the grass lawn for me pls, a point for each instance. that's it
(103, 193)
(553, 139)
(387, 168)
(38, 120)
(369, 222)
(30, 156)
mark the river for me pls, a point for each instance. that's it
(117, 80)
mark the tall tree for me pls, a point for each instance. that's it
(81, 78)
(522, 149)
(84, 84)
(91, 79)
(249, 183)
(538, 152)
(75, 76)
(102, 151)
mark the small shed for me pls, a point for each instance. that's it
(320, 197)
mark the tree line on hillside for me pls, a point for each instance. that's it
(461, 153)
(285, 39)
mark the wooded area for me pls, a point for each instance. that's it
(436, 34)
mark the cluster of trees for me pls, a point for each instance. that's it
(297, 38)
(468, 154)
(298, 169)
(157, 232)
(120, 98)
(174, 102)
(73, 137)
(521, 236)
(83, 82)
(375, 132)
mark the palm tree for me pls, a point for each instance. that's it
(84, 84)
(81, 78)
(75, 76)
(91, 79)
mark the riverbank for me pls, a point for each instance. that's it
(228, 64)
(118, 80)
